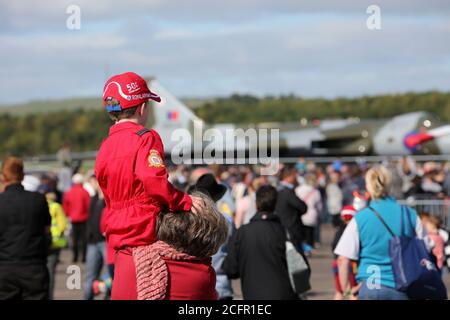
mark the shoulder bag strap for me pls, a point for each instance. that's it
(411, 227)
(382, 221)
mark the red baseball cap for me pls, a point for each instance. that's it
(126, 90)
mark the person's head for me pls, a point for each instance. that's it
(12, 170)
(126, 96)
(335, 177)
(360, 199)
(337, 165)
(347, 213)
(183, 171)
(355, 171)
(248, 178)
(378, 182)
(311, 180)
(289, 174)
(92, 180)
(431, 223)
(345, 170)
(138, 113)
(32, 183)
(258, 182)
(435, 222)
(50, 196)
(208, 185)
(45, 179)
(310, 167)
(77, 178)
(197, 234)
(266, 199)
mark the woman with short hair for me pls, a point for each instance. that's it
(366, 239)
(178, 266)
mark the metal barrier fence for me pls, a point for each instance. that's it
(439, 208)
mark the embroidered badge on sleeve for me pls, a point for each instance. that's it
(154, 159)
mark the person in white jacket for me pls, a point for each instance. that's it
(309, 193)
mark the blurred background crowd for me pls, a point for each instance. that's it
(76, 204)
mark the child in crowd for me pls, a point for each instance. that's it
(132, 174)
(347, 214)
(432, 225)
(178, 265)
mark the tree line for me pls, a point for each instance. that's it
(44, 133)
(249, 109)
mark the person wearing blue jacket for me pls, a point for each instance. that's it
(366, 240)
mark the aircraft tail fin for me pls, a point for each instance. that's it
(169, 114)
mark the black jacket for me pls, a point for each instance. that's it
(94, 234)
(24, 222)
(290, 209)
(257, 255)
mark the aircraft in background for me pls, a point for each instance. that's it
(416, 133)
(420, 134)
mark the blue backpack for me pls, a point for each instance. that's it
(415, 273)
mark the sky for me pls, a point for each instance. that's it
(207, 48)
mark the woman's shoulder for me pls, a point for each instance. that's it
(364, 215)
(363, 212)
(386, 205)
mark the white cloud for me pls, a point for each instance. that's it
(26, 15)
(267, 47)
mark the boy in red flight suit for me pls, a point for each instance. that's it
(132, 175)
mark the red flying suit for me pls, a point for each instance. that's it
(132, 175)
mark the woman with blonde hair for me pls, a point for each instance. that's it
(366, 239)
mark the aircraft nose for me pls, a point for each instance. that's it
(413, 140)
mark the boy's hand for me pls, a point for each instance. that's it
(197, 204)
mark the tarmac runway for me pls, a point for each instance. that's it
(322, 281)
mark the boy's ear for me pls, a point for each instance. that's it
(140, 110)
(143, 106)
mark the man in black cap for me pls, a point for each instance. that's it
(257, 253)
(208, 184)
